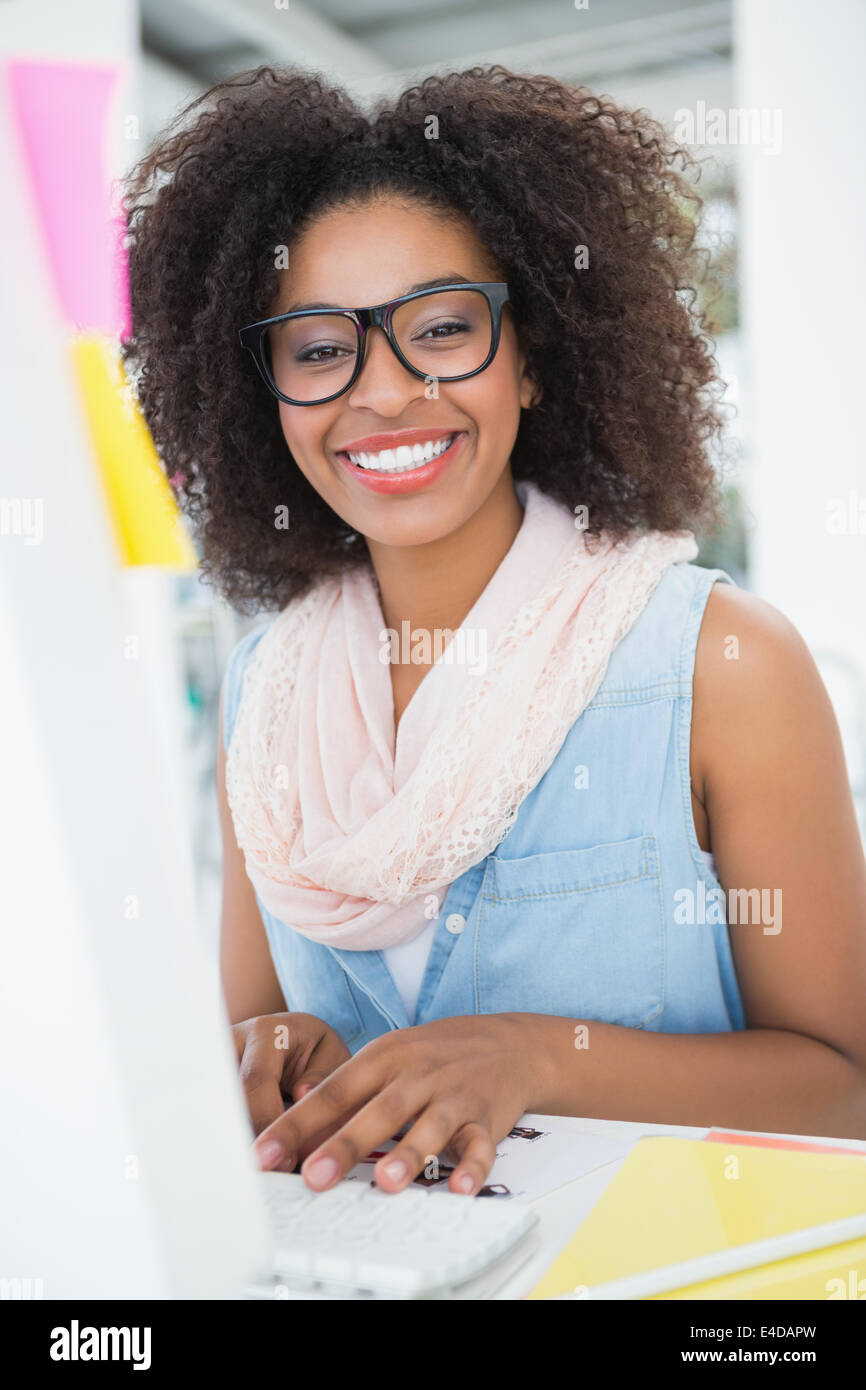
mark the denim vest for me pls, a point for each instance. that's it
(577, 912)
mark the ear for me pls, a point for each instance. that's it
(531, 390)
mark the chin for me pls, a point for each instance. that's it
(404, 524)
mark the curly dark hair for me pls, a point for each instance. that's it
(630, 396)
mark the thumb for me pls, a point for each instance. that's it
(307, 1082)
(324, 1059)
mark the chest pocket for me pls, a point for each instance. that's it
(576, 933)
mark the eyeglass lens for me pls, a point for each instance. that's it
(443, 335)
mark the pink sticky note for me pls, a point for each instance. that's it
(60, 111)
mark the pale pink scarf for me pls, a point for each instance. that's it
(345, 830)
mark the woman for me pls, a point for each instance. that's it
(432, 389)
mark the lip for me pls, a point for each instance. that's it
(413, 478)
(392, 439)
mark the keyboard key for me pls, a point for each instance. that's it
(404, 1244)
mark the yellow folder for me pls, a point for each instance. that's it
(679, 1199)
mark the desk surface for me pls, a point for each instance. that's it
(561, 1212)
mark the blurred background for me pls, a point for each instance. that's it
(766, 93)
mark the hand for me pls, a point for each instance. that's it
(283, 1057)
(463, 1083)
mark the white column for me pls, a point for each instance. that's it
(804, 318)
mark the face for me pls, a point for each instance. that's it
(357, 256)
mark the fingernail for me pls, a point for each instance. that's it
(320, 1173)
(303, 1091)
(396, 1170)
(466, 1182)
(269, 1153)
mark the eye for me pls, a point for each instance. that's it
(446, 329)
(312, 354)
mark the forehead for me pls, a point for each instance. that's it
(366, 255)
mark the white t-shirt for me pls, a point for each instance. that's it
(407, 962)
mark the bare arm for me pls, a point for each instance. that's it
(768, 767)
(249, 981)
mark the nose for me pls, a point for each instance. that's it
(383, 383)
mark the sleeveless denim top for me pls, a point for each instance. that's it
(575, 912)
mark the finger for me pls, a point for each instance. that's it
(475, 1152)
(371, 1126)
(340, 1094)
(302, 1087)
(239, 1038)
(419, 1148)
(308, 1082)
(261, 1071)
(330, 1054)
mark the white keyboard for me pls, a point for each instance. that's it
(407, 1244)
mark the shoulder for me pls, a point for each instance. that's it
(232, 685)
(747, 645)
(275, 640)
(740, 627)
(241, 653)
(758, 694)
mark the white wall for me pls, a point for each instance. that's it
(803, 231)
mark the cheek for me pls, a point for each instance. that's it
(496, 406)
(294, 428)
(304, 431)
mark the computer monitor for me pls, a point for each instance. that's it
(126, 1168)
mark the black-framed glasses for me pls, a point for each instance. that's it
(447, 333)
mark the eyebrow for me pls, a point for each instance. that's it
(449, 278)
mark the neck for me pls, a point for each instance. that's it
(435, 585)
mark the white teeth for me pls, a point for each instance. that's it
(405, 456)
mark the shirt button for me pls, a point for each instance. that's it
(455, 923)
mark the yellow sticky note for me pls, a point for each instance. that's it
(147, 523)
(676, 1199)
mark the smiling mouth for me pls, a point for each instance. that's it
(405, 458)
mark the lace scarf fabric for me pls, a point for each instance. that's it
(347, 830)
